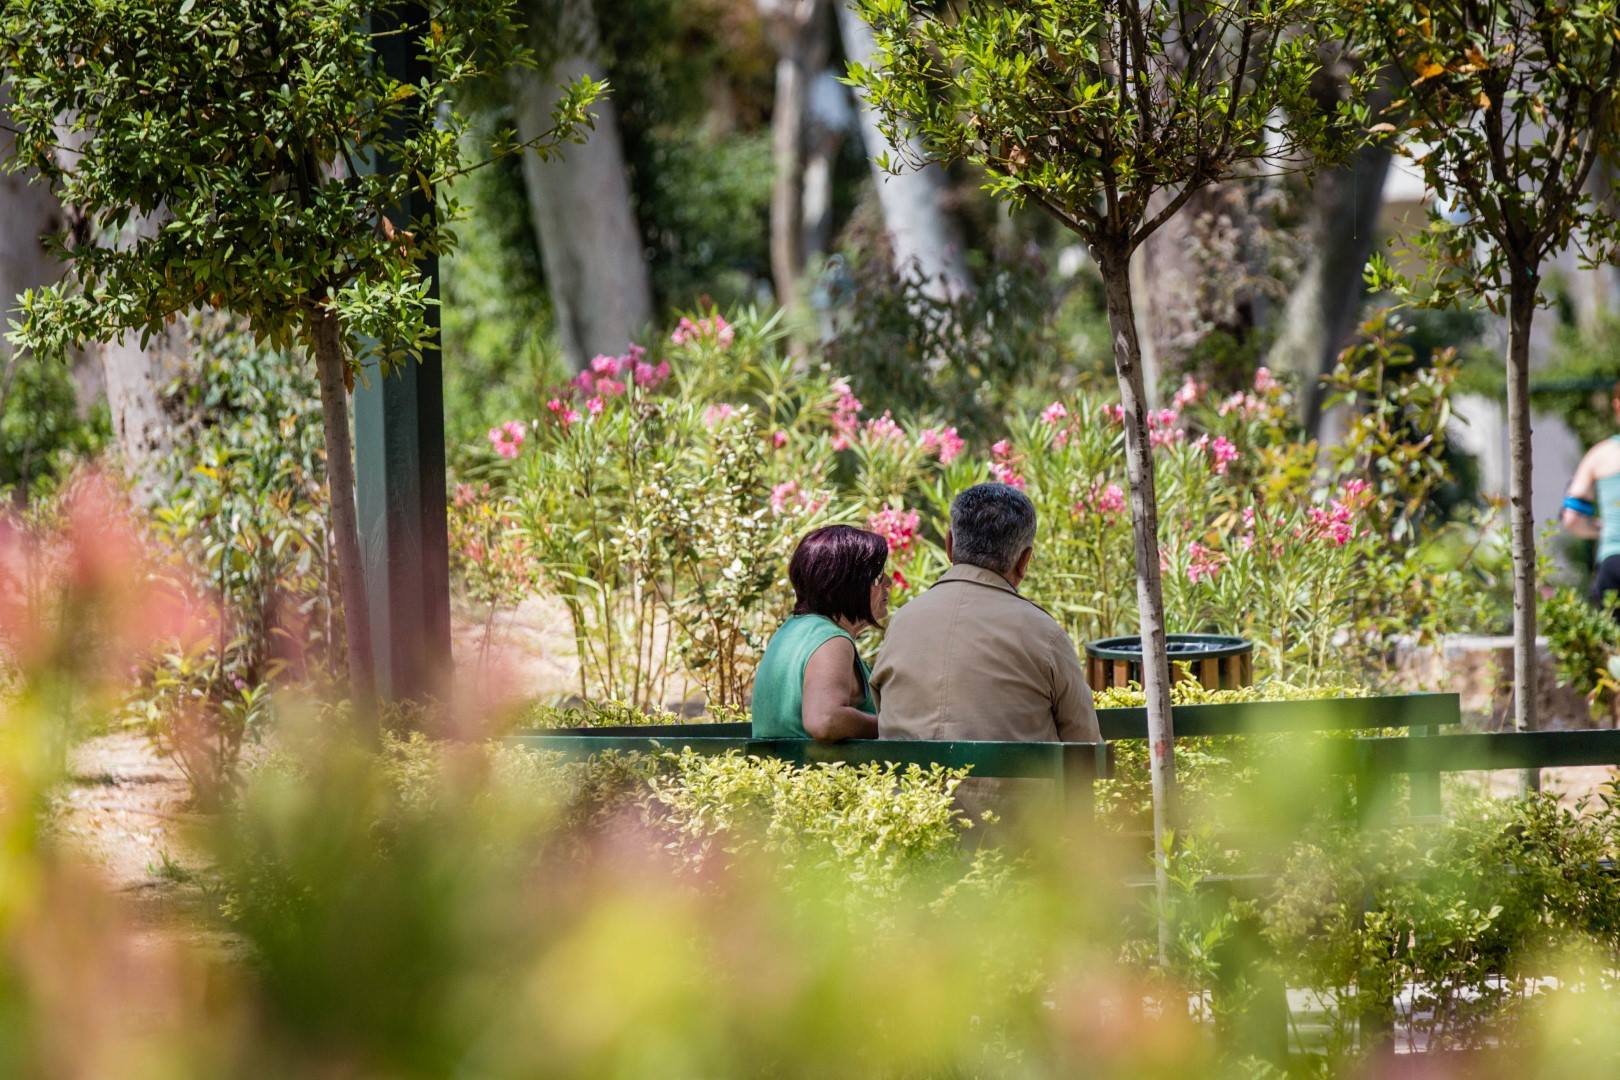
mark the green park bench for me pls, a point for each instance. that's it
(1074, 766)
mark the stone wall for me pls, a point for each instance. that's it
(1480, 671)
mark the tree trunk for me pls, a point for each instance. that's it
(924, 238)
(1115, 266)
(579, 204)
(829, 120)
(1521, 310)
(1320, 313)
(331, 365)
(135, 378)
(797, 32)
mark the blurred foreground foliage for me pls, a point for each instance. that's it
(433, 907)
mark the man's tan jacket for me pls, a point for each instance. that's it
(972, 659)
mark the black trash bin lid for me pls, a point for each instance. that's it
(1179, 646)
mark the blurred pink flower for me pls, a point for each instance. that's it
(649, 376)
(1189, 393)
(884, 429)
(1115, 412)
(607, 388)
(717, 414)
(713, 328)
(1224, 451)
(1001, 449)
(779, 440)
(944, 442)
(1203, 563)
(1264, 381)
(1006, 474)
(781, 493)
(564, 413)
(507, 439)
(1055, 413)
(605, 365)
(898, 527)
(594, 406)
(1106, 501)
(846, 408)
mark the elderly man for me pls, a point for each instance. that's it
(971, 658)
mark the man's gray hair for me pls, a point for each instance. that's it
(991, 525)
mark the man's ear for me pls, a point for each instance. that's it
(950, 545)
(1022, 565)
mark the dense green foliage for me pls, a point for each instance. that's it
(251, 200)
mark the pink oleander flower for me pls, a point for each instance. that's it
(1001, 450)
(1054, 414)
(846, 409)
(1355, 488)
(943, 442)
(1224, 452)
(1239, 402)
(779, 440)
(595, 405)
(717, 414)
(1111, 500)
(605, 365)
(584, 382)
(714, 328)
(1107, 502)
(781, 493)
(1006, 474)
(1334, 524)
(898, 527)
(1203, 563)
(1189, 393)
(1115, 412)
(1264, 381)
(607, 388)
(565, 414)
(884, 429)
(899, 581)
(507, 439)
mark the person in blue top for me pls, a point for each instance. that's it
(811, 682)
(1592, 508)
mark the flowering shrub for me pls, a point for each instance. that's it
(660, 496)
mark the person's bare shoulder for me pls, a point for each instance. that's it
(1604, 458)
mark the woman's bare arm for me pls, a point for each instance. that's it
(830, 684)
(1583, 485)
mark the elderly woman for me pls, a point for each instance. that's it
(812, 683)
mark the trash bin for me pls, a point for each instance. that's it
(1215, 661)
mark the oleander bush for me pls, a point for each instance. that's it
(659, 494)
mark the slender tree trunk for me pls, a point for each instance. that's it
(331, 365)
(579, 203)
(1521, 310)
(799, 36)
(1115, 266)
(924, 238)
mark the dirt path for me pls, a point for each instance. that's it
(123, 808)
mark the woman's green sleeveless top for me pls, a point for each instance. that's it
(1608, 506)
(778, 705)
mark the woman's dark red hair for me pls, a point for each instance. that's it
(832, 571)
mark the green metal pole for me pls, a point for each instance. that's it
(399, 464)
